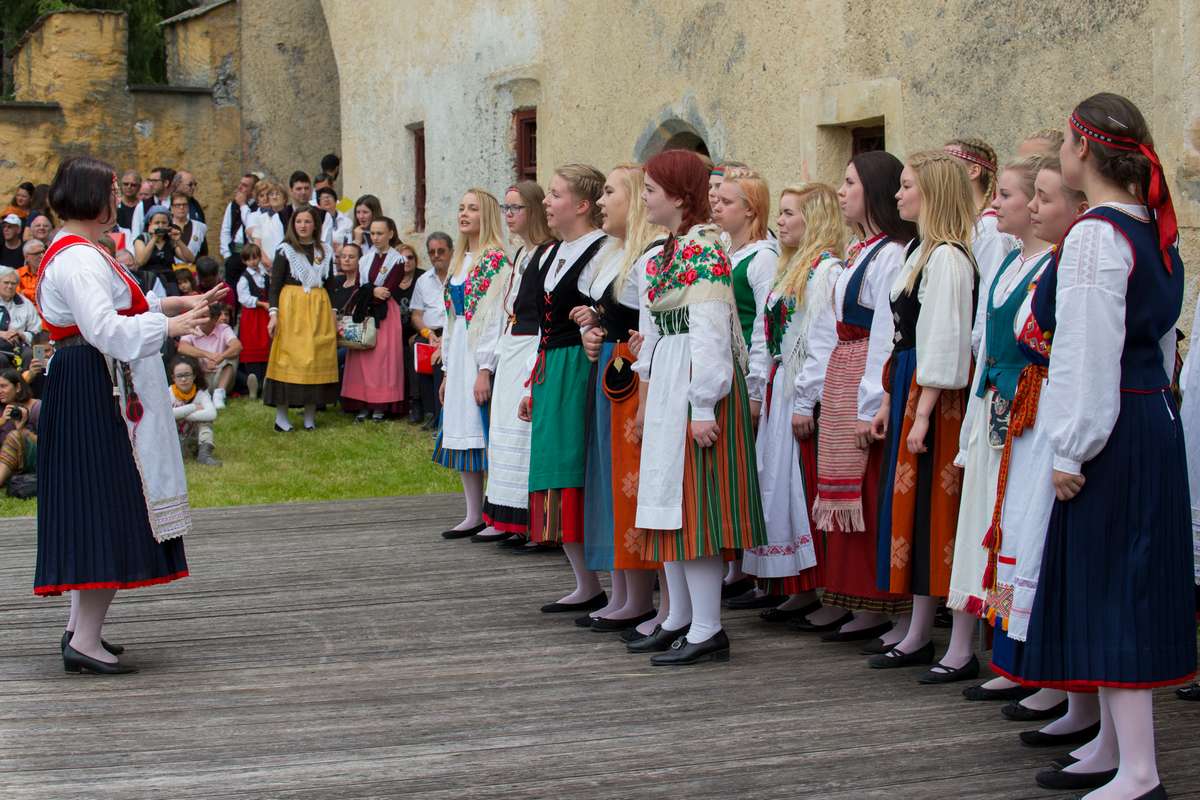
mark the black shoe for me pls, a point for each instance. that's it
(498, 536)
(737, 588)
(309, 428)
(77, 662)
(778, 615)
(875, 648)
(1061, 779)
(658, 641)
(873, 632)
(537, 548)
(280, 429)
(1157, 793)
(895, 658)
(1019, 713)
(966, 672)
(980, 694)
(585, 621)
(804, 626)
(607, 625)
(942, 618)
(1191, 692)
(631, 635)
(1064, 762)
(1039, 739)
(463, 534)
(683, 652)
(114, 649)
(599, 601)
(752, 599)
(514, 540)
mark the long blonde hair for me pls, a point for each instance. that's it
(491, 235)
(638, 230)
(755, 194)
(824, 231)
(947, 206)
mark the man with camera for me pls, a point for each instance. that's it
(19, 321)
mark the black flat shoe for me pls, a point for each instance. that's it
(966, 672)
(873, 632)
(658, 641)
(804, 626)
(752, 599)
(608, 625)
(1059, 779)
(1157, 793)
(76, 662)
(114, 649)
(683, 652)
(942, 618)
(631, 635)
(599, 601)
(1064, 762)
(463, 534)
(514, 540)
(585, 621)
(980, 694)
(876, 647)
(738, 587)
(498, 536)
(281, 429)
(1039, 739)
(537, 548)
(1191, 693)
(779, 615)
(895, 658)
(1019, 713)
(309, 428)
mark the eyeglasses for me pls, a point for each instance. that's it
(183, 375)
(130, 183)
(507, 209)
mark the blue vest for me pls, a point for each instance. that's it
(1002, 368)
(854, 313)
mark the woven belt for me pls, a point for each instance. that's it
(71, 341)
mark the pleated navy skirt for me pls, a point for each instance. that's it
(93, 530)
(1115, 604)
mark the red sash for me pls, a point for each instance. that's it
(139, 304)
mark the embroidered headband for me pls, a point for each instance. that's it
(718, 171)
(974, 159)
(1158, 198)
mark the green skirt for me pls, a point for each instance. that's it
(558, 441)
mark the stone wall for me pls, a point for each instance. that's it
(778, 85)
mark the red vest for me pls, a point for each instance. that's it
(139, 305)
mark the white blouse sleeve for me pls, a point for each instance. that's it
(712, 357)
(879, 347)
(944, 324)
(488, 344)
(822, 338)
(203, 408)
(86, 287)
(1083, 396)
(245, 298)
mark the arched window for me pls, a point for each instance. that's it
(671, 134)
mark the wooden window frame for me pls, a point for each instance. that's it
(525, 144)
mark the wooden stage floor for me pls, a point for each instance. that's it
(346, 651)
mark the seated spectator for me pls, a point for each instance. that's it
(191, 231)
(195, 411)
(208, 277)
(428, 308)
(216, 347)
(253, 295)
(18, 426)
(32, 251)
(157, 250)
(39, 206)
(35, 370)
(41, 228)
(19, 320)
(12, 226)
(186, 282)
(22, 202)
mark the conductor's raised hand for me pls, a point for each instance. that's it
(187, 322)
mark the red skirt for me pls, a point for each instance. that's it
(252, 333)
(556, 516)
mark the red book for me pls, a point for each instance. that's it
(423, 357)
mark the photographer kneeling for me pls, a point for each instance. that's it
(158, 249)
(18, 434)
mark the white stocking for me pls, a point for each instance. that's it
(616, 598)
(999, 684)
(281, 418)
(920, 628)
(733, 572)
(639, 593)
(680, 613)
(704, 590)
(472, 483)
(959, 651)
(310, 415)
(798, 601)
(1083, 711)
(863, 620)
(1132, 714)
(587, 585)
(1044, 699)
(74, 615)
(1104, 754)
(898, 631)
(664, 606)
(93, 607)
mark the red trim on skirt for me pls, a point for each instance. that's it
(556, 515)
(43, 591)
(1090, 687)
(812, 578)
(504, 527)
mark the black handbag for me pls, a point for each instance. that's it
(619, 380)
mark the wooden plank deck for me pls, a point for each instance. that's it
(346, 651)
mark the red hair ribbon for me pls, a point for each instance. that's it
(974, 159)
(717, 171)
(1158, 198)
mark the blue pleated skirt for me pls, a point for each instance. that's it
(93, 529)
(1115, 605)
(902, 368)
(597, 479)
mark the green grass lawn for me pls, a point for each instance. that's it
(339, 461)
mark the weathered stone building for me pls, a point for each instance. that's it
(252, 85)
(787, 86)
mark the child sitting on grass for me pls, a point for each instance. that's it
(194, 410)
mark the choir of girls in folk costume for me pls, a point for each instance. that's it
(968, 403)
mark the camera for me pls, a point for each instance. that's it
(160, 231)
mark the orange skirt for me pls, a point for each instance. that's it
(626, 464)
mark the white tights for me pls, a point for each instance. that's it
(695, 588)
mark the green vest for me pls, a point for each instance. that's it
(1004, 358)
(743, 294)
